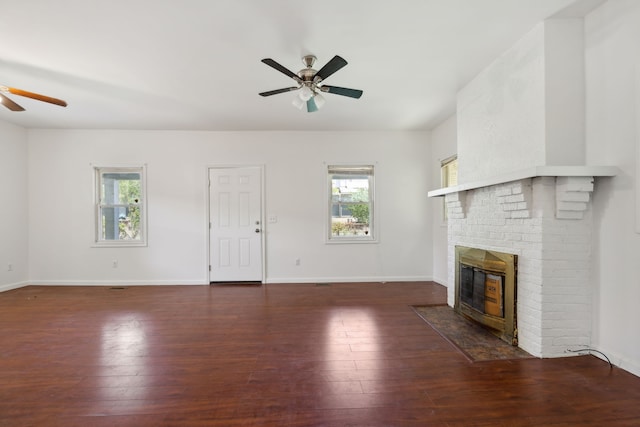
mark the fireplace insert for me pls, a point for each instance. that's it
(486, 289)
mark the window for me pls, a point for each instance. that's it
(351, 196)
(120, 206)
(449, 169)
(448, 178)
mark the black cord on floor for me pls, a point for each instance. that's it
(590, 350)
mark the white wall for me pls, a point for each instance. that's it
(612, 34)
(443, 145)
(501, 113)
(13, 206)
(526, 108)
(61, 214)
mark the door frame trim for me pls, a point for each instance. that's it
(207, 207)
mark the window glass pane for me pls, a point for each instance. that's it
(120, 188)
(351, 202)
(450, 172)
(449, 177)
(120, 206)
(121, 223)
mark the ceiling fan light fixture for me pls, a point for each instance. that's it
(306, 93)
(319, 100)
(298, 102)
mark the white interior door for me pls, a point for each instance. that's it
(235, 215)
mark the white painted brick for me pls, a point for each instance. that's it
(575, 301)
(571, 206)
(512, 237)
(563, 325)
(514, 222)
(520, 214)
(531, 237)
(497, 221)
(554, 298)
(581, 239)
(573, 274)
(574, 183)
(568, 255)
(573, 196)
(567, 307)
(568, 342)
(502, 191)
(452, 197)
(518, 188)
(516, 198)
(558, 315)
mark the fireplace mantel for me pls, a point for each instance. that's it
(538, 171)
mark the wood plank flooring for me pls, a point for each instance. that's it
(276, 355)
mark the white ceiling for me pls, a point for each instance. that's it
(195, 64)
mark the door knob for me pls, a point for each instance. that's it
(257, 230)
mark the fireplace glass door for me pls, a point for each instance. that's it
(486, 289)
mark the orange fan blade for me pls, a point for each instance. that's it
(39, 97)
(10, 104)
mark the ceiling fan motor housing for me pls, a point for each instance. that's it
(309, 60)
(307, 74)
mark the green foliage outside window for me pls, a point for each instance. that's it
(129, 224)
(360, 212)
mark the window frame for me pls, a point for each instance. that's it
(373, 235)
(448, 168)
(98, 172)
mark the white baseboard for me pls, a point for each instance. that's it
(10, 286)
(627, 364)
(441, 281)
(347, 279)
(90, 282)
(116, 282)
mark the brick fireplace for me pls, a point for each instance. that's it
(546, 222)
(524, 187)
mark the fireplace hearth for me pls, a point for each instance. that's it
(486, 289)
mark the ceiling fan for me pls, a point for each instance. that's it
(309, 81)
(11, 105)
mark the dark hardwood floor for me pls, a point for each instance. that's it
(276, 355)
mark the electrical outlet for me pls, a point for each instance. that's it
(297, 261)
(114, 263)
(9, 267)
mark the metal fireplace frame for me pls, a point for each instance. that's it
(492, 262)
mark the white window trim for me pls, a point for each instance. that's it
(374, 236)
(444, 182)
(97, 243)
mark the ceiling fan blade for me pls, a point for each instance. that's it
(273, 64)
(10, 104)
(330, 67)
(277, 91)
(352, 93)
(37, 96)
